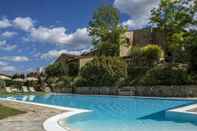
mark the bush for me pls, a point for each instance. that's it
(167, 74)
(135, 73)
(67, 81)
(52, 80)
(61, 84)
(152, 54)
(145, 56)
(136, 56)
(80, 81)
(104, 71)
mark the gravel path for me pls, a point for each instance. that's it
(30, 121)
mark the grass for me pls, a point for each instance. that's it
(7, 112)
(3, 93)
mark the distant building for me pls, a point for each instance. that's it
(133, 38)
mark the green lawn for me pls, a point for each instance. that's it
(7, 111)
(3, 93)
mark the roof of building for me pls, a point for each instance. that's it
(70, 57)
(67, 57)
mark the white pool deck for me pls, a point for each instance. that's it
(54, 123)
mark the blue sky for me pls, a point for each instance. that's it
(33, 33)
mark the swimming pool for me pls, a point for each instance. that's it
(110, 113)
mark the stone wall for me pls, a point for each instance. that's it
(157, 91)
(167, 91)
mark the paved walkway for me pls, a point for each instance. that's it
(194, 110)
(30, 121)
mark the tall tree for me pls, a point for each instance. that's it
(105, 28)
(173, 17)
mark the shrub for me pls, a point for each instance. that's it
(135, 73)
(136, 56)
(104, 71)
(152, 54)
(80, 81)
(67, 81)
(145, 56)
(167, 74)
(52, 80)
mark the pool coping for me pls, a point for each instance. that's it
(182, 113)
(138, 97)
(53, 123)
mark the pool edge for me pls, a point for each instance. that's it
(182, 113)
(52, 123)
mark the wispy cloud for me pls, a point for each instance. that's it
(5, 46)
(8, 34)
(15, 58)
(138, 10)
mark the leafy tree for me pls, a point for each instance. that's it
(106, 49)
(104, 28)
(192, 51)
(62, 69)
(173, 18)
(57, 69)
(22, 76)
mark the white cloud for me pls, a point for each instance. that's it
(5, 23)
(24, 23)
(5, 46)
(15, 58)
(54, 35)
(138, 10)
(135, 24)
(56, 53)
(8, 34)
(2, 63)
(57, 35)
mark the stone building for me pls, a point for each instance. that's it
(133, 38)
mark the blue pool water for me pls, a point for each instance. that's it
(118, 113)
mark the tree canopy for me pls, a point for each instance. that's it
(105, 28)
(174, 18)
